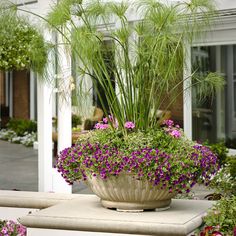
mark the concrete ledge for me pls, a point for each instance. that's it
(85, 213)
(12, 213)
(21, 199)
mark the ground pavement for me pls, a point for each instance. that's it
(19, 170)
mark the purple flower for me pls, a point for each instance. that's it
(129, 125)
(175, 133)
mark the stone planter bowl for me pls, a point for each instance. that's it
(125, 193)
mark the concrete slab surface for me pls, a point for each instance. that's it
(19, 169)
(85, 213)
(38, 200)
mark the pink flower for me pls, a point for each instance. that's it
(101, 126)
(169, 123)
(105, 120)
(4, 230)
(175, 133)
(217, 233)
(111, 118)
(129, 125)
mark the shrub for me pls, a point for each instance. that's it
(8, 135)
(224, 181)
(232, 166)
(220, 150)
(22, 45)
(20, 126)
(76, 120)
(222, 216)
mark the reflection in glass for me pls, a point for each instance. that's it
(214, 119)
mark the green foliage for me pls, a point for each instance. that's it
(224, 182)
(20, 126)
(220, 150)
(232, 166)
(223, 215)
(76, 120)
(212, 83)
(231, 143)
(138, 140)
(7, 134)
(149, 64)
(89, 124)
(22, 46)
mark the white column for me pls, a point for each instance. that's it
(11, 94)
(44, 121)
(64, 113)
(187, 95)
(32, 95)
(44, 136)
(7, 84)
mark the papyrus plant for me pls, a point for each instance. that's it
(147, 47)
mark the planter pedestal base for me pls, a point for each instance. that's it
(85, 216)
(160, 205)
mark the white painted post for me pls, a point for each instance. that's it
(44, 113)
(187, 95)
(64, 113)
(32, 95)
(11, 94)
(44, 137)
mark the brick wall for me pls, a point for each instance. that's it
(21, 94)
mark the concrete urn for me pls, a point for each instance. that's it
(126, 193)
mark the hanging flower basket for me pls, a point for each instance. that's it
(22, 46)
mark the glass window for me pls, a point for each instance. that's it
(214, 119)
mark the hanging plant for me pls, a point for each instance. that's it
(21, 45)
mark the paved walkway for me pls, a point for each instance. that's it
(19, 170)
